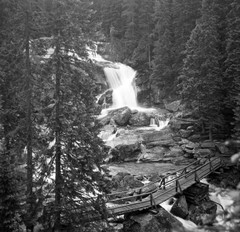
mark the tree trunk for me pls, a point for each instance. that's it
(210, 133)
(29, 192)
(58, 143)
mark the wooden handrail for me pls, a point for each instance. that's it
(165, 190)
(166, 183)
(154, 182)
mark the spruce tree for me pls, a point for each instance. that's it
(142, 55)
(130, 13)
(10, 117)
(163, 75)
(232, 72)
(201, 74)
(71, 121)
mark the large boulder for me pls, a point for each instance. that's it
(140, 119)
(127, 152)
(180, 123)
(147, 222)
(122, 116)
(124, 181)
(204, 213)
(103, 121)
(175, 151)
(180, 207)
(173, 106)
(163, 137)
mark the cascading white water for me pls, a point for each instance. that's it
(162, 124)
(121, 81)
(153, 122)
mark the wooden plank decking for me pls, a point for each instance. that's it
(166, 189)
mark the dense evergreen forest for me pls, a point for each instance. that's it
(186, 50)
(50, 154)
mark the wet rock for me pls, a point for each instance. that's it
(113, 156)
(189, 155)
(204, 153)
(173, 106)
(177, 124)
(180, 207)
(175, 151)
(128, 152)
(181, 161)
(209, 207)
(195, 137)
(147, 222)
(166, 142)
(140, 119)
(149, 188)
(106, 97)
(162, 137)
(185, 133)
(105, 120)
(151, 157)
(221, 148)
(140, 177)
(189, 148)
(124, 180)
(155, 177)
(122, 116)
(107, 131)
(208, 145)
(203, 214)
(131, 182)
(161, 151)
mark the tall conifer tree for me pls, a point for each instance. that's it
(232, 73)
(163, 75)
(201, 79)
(72, 123)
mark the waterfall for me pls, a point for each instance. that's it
(121, 81)
(162, 124)
(153, 122)
(158, 124)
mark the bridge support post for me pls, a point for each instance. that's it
(196, 177)
(184, 172)
(178, 186)
(140, 192)
(210, 163)
(163, 182)
(152, 202)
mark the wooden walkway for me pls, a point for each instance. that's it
(153, 194)
(162, 190)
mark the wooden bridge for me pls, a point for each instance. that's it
(155, 193)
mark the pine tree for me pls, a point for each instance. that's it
(9, 192)
(130, 14)
(142, 55)
(185, 14)
(10, 117)
(233, 62)
(163, 76)
(201, 76)
(71, 120)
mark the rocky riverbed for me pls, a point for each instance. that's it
(178, 142)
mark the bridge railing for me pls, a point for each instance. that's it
(166, 187)
(136, 190)
(163, 183)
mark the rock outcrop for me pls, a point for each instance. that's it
(122, 116)
(139, 119)
(162, 221)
